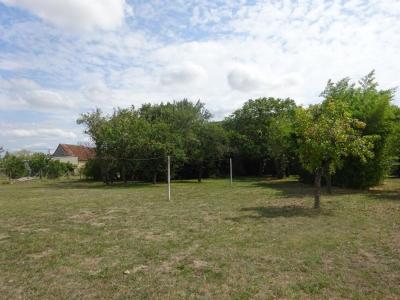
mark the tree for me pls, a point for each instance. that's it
(255, 129)
(14, 166)
(56, 169)
(208, 145)
(92, 169)
(117, 139)
(327, 134)
(394, 141)
(281, 143)
(372, 106)
(38, 163)
(174, 127)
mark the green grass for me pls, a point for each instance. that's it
(259, 239)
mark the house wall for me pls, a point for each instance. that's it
(65, 159)
(81, 164)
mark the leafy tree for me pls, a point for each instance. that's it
(117, 139)
(208, 145)
(92, 169)
(38, 163)
(327, 133)
(281, 143)
(161, 141)
(14, 166)
(394, 141)
(258, 129)
(123, 138)
(56, 169)
(373, 107)
(173, 128)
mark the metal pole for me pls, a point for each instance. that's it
(169, 178)
(231, 173)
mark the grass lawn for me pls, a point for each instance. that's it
(259, 239)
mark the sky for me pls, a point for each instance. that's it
(61, 58)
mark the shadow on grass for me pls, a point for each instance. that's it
(292, 188)
(389, 195)
(281, 211)
(87, 184)
(287, 188)
(90, 184)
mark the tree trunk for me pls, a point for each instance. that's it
(317, 194)
(199, 174)
(280, 166)
(124, 173)
(261, 168)
(40, 174)
(328, 178)
(154, 178)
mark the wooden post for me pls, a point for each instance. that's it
(230, 167)
(169, 178)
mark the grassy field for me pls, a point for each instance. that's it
(259, 239)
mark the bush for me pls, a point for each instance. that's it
(56, 169)
(14, 166)
(372, 106)
(92, 169)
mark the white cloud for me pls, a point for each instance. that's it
(246, 78)
(39, 132)
(39, 136)
(186, 73)
(77, 14)
(27, 94)
(222, 55)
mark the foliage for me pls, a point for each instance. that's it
(395, 141)
(56, 169)
(38, 163)
(154, 131)
(327, 134)
(353, 135)
(174, 127)
(24, 163)
(373, 107)
(14, 166)
(207, 146)
(261, 130)
(281, 142)
(92, 169)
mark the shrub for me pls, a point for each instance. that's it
(14, 166)
(56, 169)
(92, 169)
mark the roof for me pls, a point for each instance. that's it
(82, 152)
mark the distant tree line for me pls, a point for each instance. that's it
(134, 143)
(24, 163)
(350, 139)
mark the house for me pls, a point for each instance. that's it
(74, 154)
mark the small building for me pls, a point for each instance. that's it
(74, 154)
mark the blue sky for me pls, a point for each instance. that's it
(62, 58)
